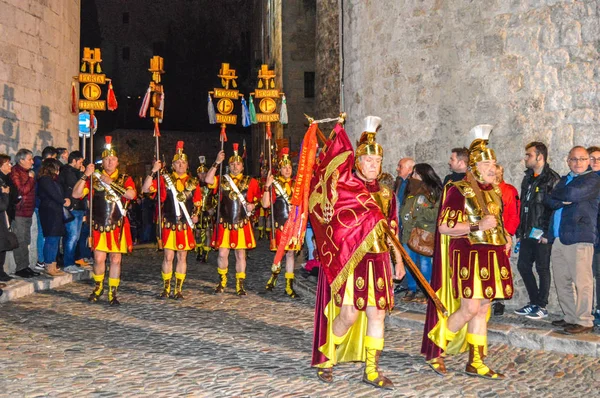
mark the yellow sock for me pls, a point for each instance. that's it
(450, 335)
(112, 282)
(167, 280)
(372, 345)
(240, 275)
(179, 278)
(99, 280)
(223, 273)
(289, 275)
(477, 341)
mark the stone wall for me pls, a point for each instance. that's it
(298, 48)
(327, 59)
(432, 69)
(39, 55)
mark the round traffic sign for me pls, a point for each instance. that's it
(84, 124)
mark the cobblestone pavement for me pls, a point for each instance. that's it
(57, 344)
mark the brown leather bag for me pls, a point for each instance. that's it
(421, 241)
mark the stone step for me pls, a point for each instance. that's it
(18, 287)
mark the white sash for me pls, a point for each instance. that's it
(240, 197)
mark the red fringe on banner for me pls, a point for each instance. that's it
(223, 136)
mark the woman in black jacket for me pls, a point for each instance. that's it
(5, 205)
(52, 202)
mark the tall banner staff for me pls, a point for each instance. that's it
(91, 77)
(155, 100)
(267, 106)
(225, 106)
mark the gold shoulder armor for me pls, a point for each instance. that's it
(191, 184)
(464, 188)
(386, 191)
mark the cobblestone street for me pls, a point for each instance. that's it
(55, 343)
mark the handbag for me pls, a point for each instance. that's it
(67, 215)
(11, 237)
(420, 241)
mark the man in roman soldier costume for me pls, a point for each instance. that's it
(471, 265)
(111, 235)
(206, 216)
(281, 189)
(180, 197)
(350, 214)
(233, 229)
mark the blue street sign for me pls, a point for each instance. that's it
(84, 124)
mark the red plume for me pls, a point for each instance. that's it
(108, 139)
(73, 98)
(235, 147)
(111, 100)
(285, 151)
(179, 145)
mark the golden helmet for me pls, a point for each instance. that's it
(179, 155)
(284, 159)
(367, 144)
(109, 150)
(478, 149)
(202, 168)
(236, 157)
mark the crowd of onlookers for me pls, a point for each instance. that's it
(554, 221)
(38, 189)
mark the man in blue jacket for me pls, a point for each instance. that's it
(573, 228)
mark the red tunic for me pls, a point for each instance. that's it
(118, 238)
(240, 235)
(177, 235)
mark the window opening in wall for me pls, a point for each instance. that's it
(309, 84)
(125, 54)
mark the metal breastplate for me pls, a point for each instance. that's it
(493, 201)
(188, 197)
(232, 211)
(281, 211)
(105, 211)
(383, 197)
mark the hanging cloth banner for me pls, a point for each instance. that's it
(283, 114)
(252, 111)
(145, 103)
(212, 116)
(245, 114)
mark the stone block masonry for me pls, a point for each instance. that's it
(39, 55)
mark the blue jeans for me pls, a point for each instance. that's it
(51, 244)
(424, 264)
(72, 237)
(40, 238)
(310, 246)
